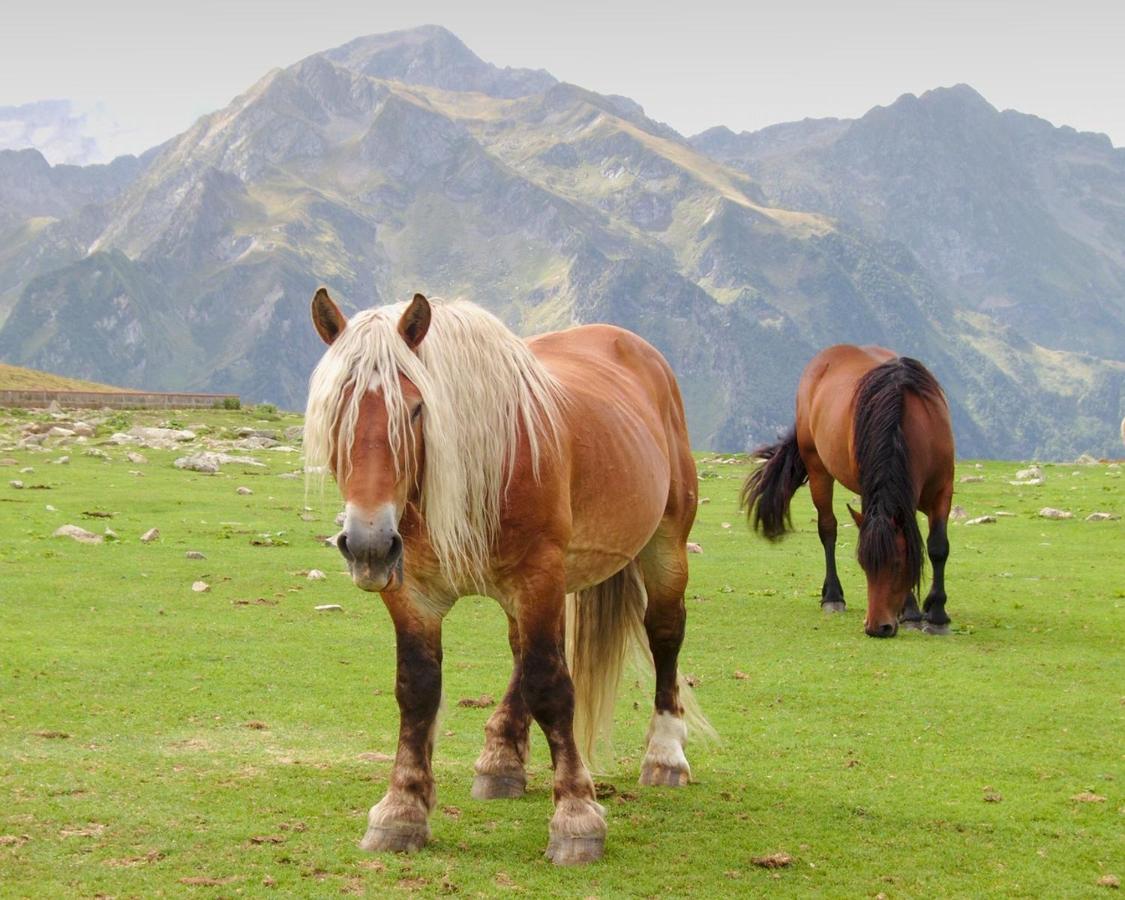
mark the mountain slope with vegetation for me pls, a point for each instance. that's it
(403, 162)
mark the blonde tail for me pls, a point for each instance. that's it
(604, 624)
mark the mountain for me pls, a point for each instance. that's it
(404, 162)
(1015, 218)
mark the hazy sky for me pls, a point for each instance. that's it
(155, 66)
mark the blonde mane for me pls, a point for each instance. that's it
(480, 385)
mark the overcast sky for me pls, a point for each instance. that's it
(155, 66)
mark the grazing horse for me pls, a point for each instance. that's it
(554, 475)
(879, 424)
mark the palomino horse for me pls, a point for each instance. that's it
(473, 462)
(879, 424)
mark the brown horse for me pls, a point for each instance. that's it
(473, 462)
(879, 424)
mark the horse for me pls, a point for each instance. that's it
(554, 475)
(879, 424)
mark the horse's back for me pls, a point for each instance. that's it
(826, 406)
(826, 411)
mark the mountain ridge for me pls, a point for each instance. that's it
(553, 205)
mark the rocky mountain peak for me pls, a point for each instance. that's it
(432, 56)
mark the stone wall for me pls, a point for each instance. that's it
(113, 399)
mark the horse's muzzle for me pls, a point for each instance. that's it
(886, 630)
(373, 550)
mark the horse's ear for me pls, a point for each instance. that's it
(415, 322)
(326, 316)
(857, 517)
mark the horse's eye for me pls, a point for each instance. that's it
(417, 412)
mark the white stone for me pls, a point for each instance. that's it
(200, 587)
(982, 520)
(329, 607)
(1049, 512)
(161, 434)
(244, 491)
(694, 548)
(210, 462)
(151, 535)
(78, 534)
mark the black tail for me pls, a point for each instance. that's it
(882, 457)
(769, 488)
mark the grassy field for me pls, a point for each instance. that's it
(16, 378)
(157, 741)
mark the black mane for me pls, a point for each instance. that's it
(882, 458)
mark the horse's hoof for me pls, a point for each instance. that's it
(499, 787)
(656, 775)
(912, 624)
(576, 850)
(577, 832)
(833, 606)
(407, 837)
(931, 628)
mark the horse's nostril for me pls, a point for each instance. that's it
(342, 544)
(887, 630)
(395, 549)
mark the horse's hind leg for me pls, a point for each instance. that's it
(499, 769)
(820, 486)
(663, 564)
(937, 546)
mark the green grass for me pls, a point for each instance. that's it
(917, 767)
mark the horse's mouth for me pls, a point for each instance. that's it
(376, 580)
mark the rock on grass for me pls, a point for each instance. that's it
(151, 535)
(78, 534)
(200, 587)
(1049, 512)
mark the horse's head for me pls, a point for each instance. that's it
(381, 472)
(892, 572)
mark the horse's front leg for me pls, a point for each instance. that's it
(578, 828)
(911, 615)
(937, 546)
(500, 768)
(400, 821)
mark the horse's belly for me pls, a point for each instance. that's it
(614, 515)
